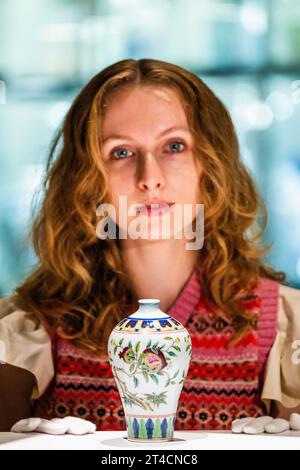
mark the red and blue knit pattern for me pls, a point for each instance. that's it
(222, 383)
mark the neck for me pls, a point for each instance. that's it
(158, 268)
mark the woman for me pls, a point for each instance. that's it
(151, 131)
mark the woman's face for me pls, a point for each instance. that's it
(148, 150)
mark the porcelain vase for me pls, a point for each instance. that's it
(149, 353)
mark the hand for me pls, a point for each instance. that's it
(67, 425)
(265, 424)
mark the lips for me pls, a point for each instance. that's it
(157, 207)
(148, 202)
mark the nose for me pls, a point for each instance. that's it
(149, 174)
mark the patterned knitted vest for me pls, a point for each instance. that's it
(222, 383)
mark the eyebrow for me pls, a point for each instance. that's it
(166, 131)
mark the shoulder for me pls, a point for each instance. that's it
(289, 311)
(285, 300)
(25, 342)
(289, 293)
(286, 295)
(11, 313)
(7, 305)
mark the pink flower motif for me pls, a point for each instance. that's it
(153, 361)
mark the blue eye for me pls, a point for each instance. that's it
(120, 157)
(177, 143)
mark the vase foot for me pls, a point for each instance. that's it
(149, 441)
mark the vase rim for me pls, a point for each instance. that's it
(148, 301)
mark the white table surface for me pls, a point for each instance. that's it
(183, 440)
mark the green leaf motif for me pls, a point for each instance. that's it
(137, 346)
(157, 399)
(131, 368)
(128, 400)
(154, 378)
(136, 382)
(121, 341)
(146, 376)
(168, 338)
(171, 353)
(177, 348)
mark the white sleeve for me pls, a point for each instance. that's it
(25, 343)
(282, 377)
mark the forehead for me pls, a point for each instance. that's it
(143, 107)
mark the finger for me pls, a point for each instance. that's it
(76, 420)
(277, 425)
(26, 425)
(258, 426)
(52, 427)
(238, 424)
(295, 421)
(77, 425)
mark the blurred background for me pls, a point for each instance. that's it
(247, 51)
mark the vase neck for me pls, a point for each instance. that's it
(149, 308)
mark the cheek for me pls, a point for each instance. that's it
(120, 183)
(183, 175)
